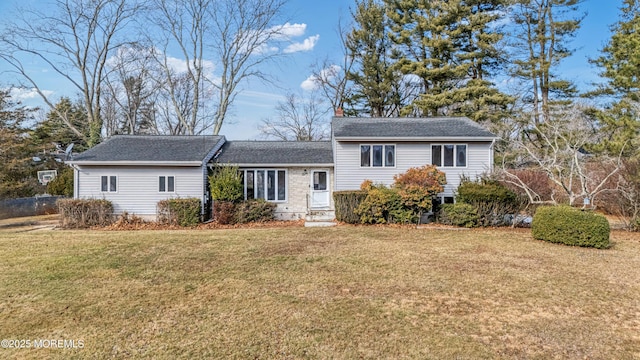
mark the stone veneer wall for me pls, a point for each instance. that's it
(299, 187)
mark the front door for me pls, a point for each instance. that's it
(319, 189)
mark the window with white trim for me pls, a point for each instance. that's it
(377, 155)
(267, 184)
(166, 184)
(108, 183)
(449, 155)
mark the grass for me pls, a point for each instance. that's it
(345, 292)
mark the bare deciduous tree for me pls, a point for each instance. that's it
(298, 120)
(184, 24)
(558, 150)
(332, 80)
(74, 38)
(130, 92)
(234, 35)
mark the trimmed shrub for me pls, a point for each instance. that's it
(254, 211)
(570, 226)
(346, 203)
(183, 212)
(224, 212)
(379, 204)
(226, 184)
(491, 199)
(459, 214)
(84, 213)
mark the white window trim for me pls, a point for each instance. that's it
(109, 184)
(166, 184)
(455, 157)
(255, 179)
(384, 158)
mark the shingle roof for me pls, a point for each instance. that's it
(276, 152)
(446, 127)
(151, 148)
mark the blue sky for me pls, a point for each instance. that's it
(320, 21)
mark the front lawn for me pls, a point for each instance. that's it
(344, 292)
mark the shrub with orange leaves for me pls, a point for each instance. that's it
(427, 177)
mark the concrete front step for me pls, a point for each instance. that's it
(314, 218)
(320, 216)
(319, 223)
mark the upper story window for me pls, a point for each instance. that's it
(377, 155)
(166, 184)
(448, 155)
(108, 183)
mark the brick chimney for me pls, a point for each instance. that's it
(339, 112)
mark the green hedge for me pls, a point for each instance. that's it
(183, 212)
(491, 199)
(346, 203)
(84, 213)
(570, 226)
(459, 214)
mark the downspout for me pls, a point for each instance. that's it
(76, 182)
(491, 157)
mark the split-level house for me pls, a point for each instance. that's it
(135, 172)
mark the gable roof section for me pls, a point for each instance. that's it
(175, 150)
(277, 153)
(436, 128)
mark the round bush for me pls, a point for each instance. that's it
(570, 226)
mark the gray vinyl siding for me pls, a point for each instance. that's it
(137, 190)
(349, 175)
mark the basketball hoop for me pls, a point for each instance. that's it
(45, 176)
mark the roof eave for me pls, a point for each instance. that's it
(416, 138)
(134, 163)
(273, 165)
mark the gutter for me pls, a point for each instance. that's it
(415, 138)
(273, 165)
(136, 163)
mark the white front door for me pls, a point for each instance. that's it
(319, 189)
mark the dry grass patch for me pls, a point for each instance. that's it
(345, 292)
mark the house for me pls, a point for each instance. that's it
(379, 148)
(135, 172)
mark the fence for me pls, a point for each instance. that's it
(32, 206)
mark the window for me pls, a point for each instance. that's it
(269, 185)
(166, 184)
(449, 155)
(365, 155)
(109, 183)
(377, 155)
(319, 180)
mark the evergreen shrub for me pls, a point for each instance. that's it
(179, 211)
(491, 199)
(570, 226)
(346, 203)
(459, 214)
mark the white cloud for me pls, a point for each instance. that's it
(326, 74)
(130, 57)
(309, 84)
(306, 45)
(288, 31)
(22, 94)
